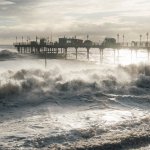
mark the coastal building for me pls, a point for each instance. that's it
(109, 42)
(88, 43)
(70, 41)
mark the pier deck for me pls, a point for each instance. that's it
(60, 49)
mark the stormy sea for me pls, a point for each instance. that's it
(75, 104)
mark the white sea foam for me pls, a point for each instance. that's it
(74, 105)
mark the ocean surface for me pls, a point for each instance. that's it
(75, 104)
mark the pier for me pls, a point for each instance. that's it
(43, 48)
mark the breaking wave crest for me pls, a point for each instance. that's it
(98, 107)
(57, 84)
(6, 54)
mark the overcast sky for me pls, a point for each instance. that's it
(98, 18)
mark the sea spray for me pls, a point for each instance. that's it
(120, 81)
(73, 105)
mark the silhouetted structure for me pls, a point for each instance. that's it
(88, 43)
(42, 46)
(109, 42)
(70, 41)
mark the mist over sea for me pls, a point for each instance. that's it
(75, 104)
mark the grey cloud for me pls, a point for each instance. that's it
(66, 17)
(5, 2)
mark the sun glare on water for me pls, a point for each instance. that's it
(129, 56)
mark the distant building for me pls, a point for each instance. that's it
(43, 41)
(33, 43)
(109, 42)
(71, 41)
(88, 43)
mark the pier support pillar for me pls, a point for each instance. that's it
(65, 53)
(39, 49)
(88, 53)
(76, 53)
(101, 55)
(25, 50)
(18, 49)
(45, 53)
(31, 49)
(21, 49)
(35, 50)
(57, 51)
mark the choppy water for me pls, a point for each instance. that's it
(75, 104)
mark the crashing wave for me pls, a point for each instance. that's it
(86, 85)
(6, 54)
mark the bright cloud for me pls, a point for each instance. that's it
(6, 2)
(76, 17)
